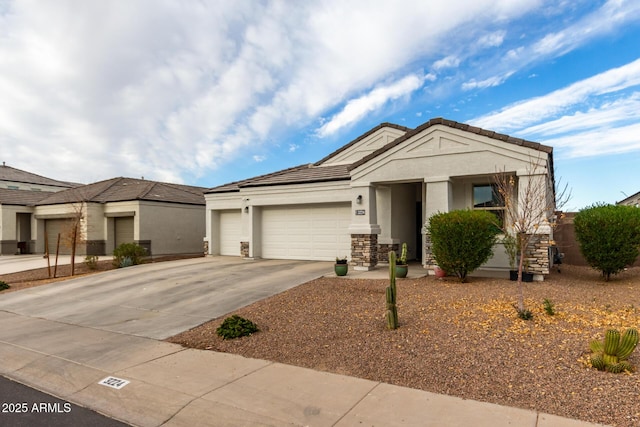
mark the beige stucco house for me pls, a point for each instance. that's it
(164, 218)
(19, 192)
(372, 194)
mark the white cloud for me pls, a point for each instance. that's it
(606, 115)
(293, 147)
(599, 142)
(359, 107)
(610, 16)
(488, 82)
(259, 159)
(450, 61)
(526, 113)
(171, 91)
(493, 39)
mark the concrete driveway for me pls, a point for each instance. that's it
(161, 299)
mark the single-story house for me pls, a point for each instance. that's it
(19, 191)
(373, 194)
(164, 218)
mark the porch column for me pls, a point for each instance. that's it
(246, 228)
(438, 197)
(250, 246)
(384, 206)
(364, 229)
(213, 232)
(533, 192)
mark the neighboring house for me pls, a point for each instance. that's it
(16, 179)
(19, 191)
(372, 194)
(633, 200)
(164, 218)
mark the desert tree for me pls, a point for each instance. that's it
(74, 232)
(531, 199)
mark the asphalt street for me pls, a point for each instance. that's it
(22, 406)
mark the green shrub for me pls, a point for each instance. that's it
(235, 327)
(462, 240)
(524, 314)
(128, 254)
(4, 285)
(549, 307)
(609, 236)
(91, 261)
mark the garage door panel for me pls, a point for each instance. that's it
(230, 228)
(124, 229)
(315, 232)
(53, 228)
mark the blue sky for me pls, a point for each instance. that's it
(209, 92)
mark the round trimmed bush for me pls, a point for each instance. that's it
(462, 240)
(609, 236)
(235, 327)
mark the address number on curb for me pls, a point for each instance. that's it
(114, 382)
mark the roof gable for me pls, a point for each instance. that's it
(455, 125)
(365, 144)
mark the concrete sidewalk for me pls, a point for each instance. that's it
(173, 386)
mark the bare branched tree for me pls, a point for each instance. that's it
(74, 232)
(530, 203)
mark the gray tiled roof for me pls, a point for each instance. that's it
(7, 173)
(21, 197)
(125, 189)
(296, 175)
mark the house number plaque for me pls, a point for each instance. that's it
(359, 211)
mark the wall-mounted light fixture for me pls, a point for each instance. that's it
(359, 199)
(246, 209)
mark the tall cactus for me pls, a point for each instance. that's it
(612, 354)
(628, 343)
(392, 311)
(403, 256)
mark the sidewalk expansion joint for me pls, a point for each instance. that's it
(376, 385)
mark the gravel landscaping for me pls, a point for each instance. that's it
(460, 339)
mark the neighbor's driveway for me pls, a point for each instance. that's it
(14, 263)
(161, 299)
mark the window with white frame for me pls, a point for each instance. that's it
(487, 197)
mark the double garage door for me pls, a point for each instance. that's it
(304, 232)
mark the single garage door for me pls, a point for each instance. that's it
(230, 226)
(123, 230)
(53, 227)
(308, 232)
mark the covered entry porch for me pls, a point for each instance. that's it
(388, 214)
